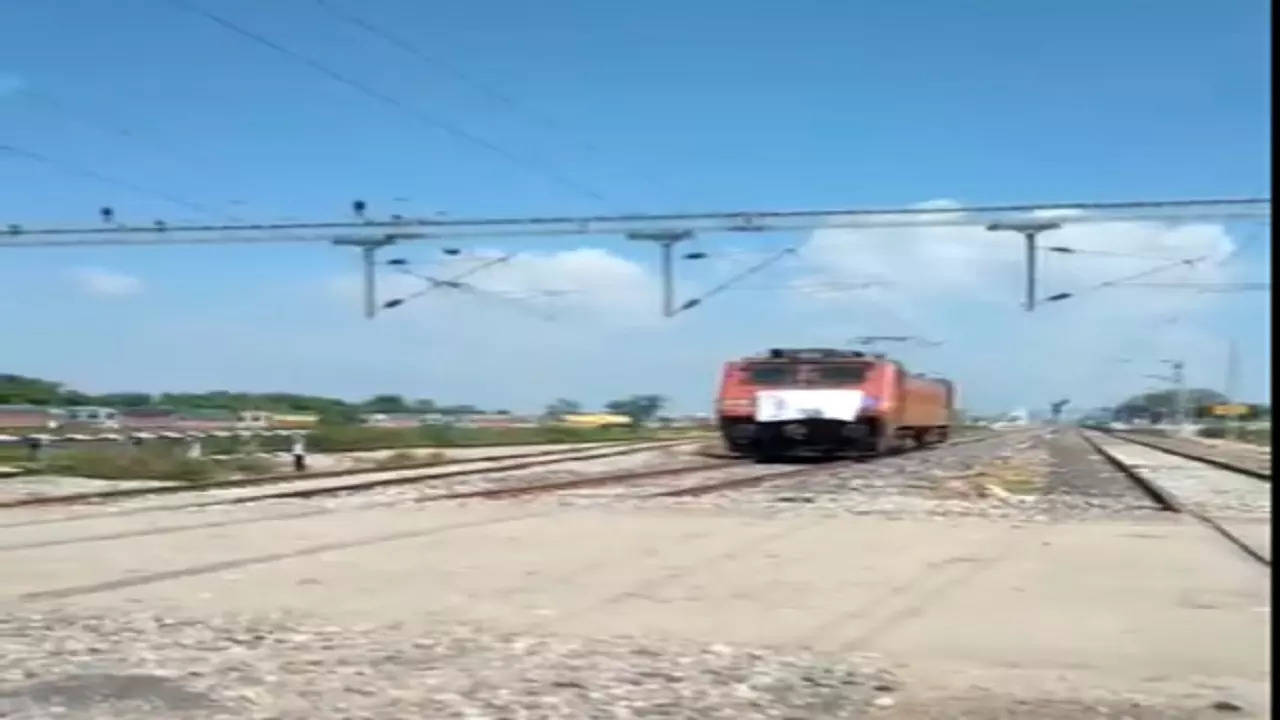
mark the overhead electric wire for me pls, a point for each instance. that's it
(91, 174)
(829, 288)
(455, 282)
(120, 131)
(1202, 287)
(515, 107)
(157, 226)
(454, 130)
(1189, 262)
(472, 289)
(88, 120)
(483, 266)
(692, 303)
(1107, 253)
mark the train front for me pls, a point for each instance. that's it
(800, 401)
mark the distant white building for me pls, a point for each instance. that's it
(253, 419)
(1017, 418)
(97, 416)
(401, 420)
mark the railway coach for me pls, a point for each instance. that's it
(829, 401)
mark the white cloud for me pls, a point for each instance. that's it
(105, 283)
(965, 285)
(579, 284)
(972, 263)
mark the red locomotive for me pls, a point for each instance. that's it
(829, 401)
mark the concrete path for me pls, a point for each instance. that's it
(1165, 606)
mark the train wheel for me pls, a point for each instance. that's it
(765, 452)
(885, 443)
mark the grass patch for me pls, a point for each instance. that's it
(246, 465)
(339, 439)
(404, 458)
(131, 464)
(1253, 436)
(158, 455)
(1012, 476)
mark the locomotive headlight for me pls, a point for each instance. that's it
(738, 405)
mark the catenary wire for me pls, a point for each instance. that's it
(83, 172)
(455, 131)
(514, 106)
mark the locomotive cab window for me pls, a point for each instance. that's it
(852, 373)
(771, 374)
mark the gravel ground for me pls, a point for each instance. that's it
(1037, 475)
(140, 665)
(22, 487)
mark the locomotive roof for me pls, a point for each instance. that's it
(816, 354)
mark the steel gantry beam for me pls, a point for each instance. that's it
(121, 233)
(370, 234)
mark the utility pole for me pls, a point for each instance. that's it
(368, 249)
(1055, 409)
(1233, 370)
(1233, 376)
(1180, 394)
(666, 241)
(1029, 231)
(1181, 382)
(1179, 386)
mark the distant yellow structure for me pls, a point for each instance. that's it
(595, 420)
(294, 420)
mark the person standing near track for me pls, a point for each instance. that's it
(299, 452)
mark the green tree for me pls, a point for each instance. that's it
(1162, 405)
(640, 408)
(21, 390)
(386, 404)
(123, 400)
(561, 407)
(339, 414)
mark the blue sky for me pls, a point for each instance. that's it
(654, 106)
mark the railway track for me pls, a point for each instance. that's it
(661, 475)
(745, 474)
(662, 482)
(1191, 450)
(1233, 502)
(332, 482)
